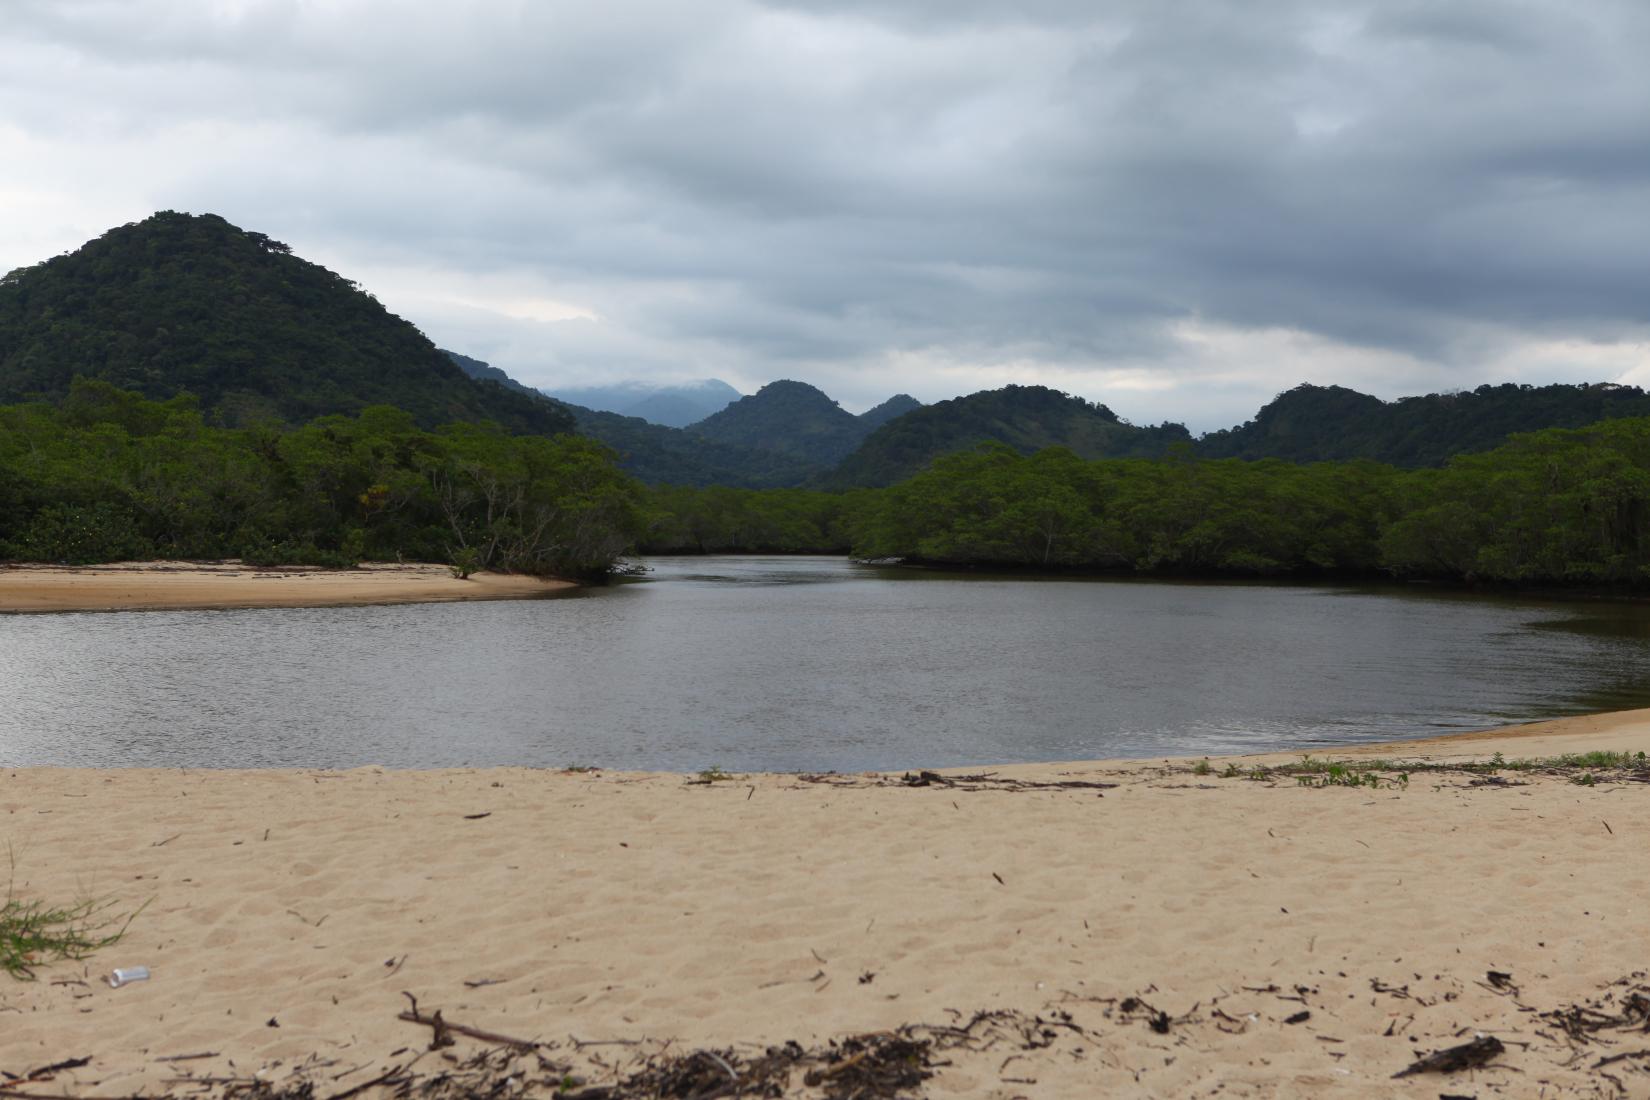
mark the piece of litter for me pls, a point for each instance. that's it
(126, 975)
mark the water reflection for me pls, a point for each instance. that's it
(805, 663)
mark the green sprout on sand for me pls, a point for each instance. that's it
(715, 774)
(33, 933)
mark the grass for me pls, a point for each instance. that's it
(715, 774)
(33, 933)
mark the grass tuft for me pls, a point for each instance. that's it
(33, 933)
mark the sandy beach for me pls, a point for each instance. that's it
(1184, 932)
(146, 586)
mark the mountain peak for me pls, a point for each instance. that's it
(190, 303)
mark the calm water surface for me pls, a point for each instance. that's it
(804, 663)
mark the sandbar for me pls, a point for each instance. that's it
(165, 585)
(1184, 932)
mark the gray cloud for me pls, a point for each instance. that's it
(1176, 207)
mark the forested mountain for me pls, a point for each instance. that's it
(896, 406)
(1313, 423)
(185, 303)
(792, 418)
(674, 406)
(670, 456)
(1026, 418)
(482, 371)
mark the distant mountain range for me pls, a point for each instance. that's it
(181, 302)
(674, 406)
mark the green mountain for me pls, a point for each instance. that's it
(180, 302)
(790, 418)
(1027, 418)
(659, 455)
(896, 406)
(1316, 423)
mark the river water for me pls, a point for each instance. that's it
(771, 663)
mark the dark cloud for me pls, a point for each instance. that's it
(1147, 202)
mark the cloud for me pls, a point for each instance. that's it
(1178, 208)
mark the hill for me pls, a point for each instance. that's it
(791, 418)
(1027, 418)
(896, 406)
(181, 302)
(1317, 423)
(674, 406)
(659, 455)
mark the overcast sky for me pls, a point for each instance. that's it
(1177, 208)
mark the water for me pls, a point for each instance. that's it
(757, 663)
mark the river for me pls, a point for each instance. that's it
(784, 663)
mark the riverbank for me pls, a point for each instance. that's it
(1176, 932)
(163, 585)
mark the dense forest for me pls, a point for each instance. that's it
(109, 475)
(1555, 507)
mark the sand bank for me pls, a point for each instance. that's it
(1298, 942)
(146, 586)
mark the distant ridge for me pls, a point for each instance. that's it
(1027, 418)
(1319, 423)
(674, 405)
(659, 455)
(182, 302)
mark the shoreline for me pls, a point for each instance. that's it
(226, 585)
(1127, 928)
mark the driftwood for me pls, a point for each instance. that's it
(442, 1031)
(1481, 1051)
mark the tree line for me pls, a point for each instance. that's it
(109, 475)
(1561, 506)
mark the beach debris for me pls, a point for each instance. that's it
(477, 817)
(1624, 1006)
(1137, 1008)
(126, 975)
(1481, 1051)
(1298, 1018)
(46, 1073)
(443, 1031)
(982, 781)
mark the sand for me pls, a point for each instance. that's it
(288, 912)
(147, 586)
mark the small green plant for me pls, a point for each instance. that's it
(465, 562)
(714, 774)
(1585, 779)
(33, 933)
(1202, 767)
(1232, 772)
(580, 769)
